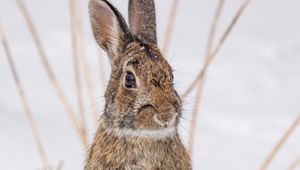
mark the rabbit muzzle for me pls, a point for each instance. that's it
(165, 113)
(164, 121)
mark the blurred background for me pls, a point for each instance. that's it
(251, 91)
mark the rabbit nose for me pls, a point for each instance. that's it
(165, 120)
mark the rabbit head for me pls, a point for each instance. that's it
(140, 93)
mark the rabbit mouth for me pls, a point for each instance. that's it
(165, 124)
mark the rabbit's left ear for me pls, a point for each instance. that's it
(109, 28)
(142, 20)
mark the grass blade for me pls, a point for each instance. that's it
(212, 32)
(50, 74)
(84, 59)
(220, 43)
(23, 97)
(170, 27)
(280, 143)
(74, 40)
(294, 164)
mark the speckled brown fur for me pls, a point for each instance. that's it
(138, 129)
(134, 153)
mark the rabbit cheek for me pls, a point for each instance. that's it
(127, 121)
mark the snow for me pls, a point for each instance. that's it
(251, 93)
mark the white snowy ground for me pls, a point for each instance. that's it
(252, 90)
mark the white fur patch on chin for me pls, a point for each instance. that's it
(155, 134)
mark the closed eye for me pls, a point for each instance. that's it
(155, 82)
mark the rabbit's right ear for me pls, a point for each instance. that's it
(109, 28)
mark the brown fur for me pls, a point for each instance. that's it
(109, 152)
(134, 109)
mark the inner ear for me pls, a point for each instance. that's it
(109, 28)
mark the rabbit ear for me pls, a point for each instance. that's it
(109, 28)
(142, 21)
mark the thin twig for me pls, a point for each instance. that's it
(24, 101)
(74, 40)
(294, 164)
(170, 27)
(212, 55)
(212, 32)
(84, 59)
(50, 73)
(280, 143)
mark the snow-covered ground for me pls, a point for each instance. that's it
(252, 90)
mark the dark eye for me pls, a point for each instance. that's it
(130, 81)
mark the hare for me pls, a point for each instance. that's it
(138, 129)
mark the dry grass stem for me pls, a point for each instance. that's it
(24, 101)
(84, 59)
(213, 27)
(220, 43)
(49, 71)
(60, 165)
(170, 27)
(74, 40)
(192, 131)
(280, 143)
(212, 32)
(294, 164)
